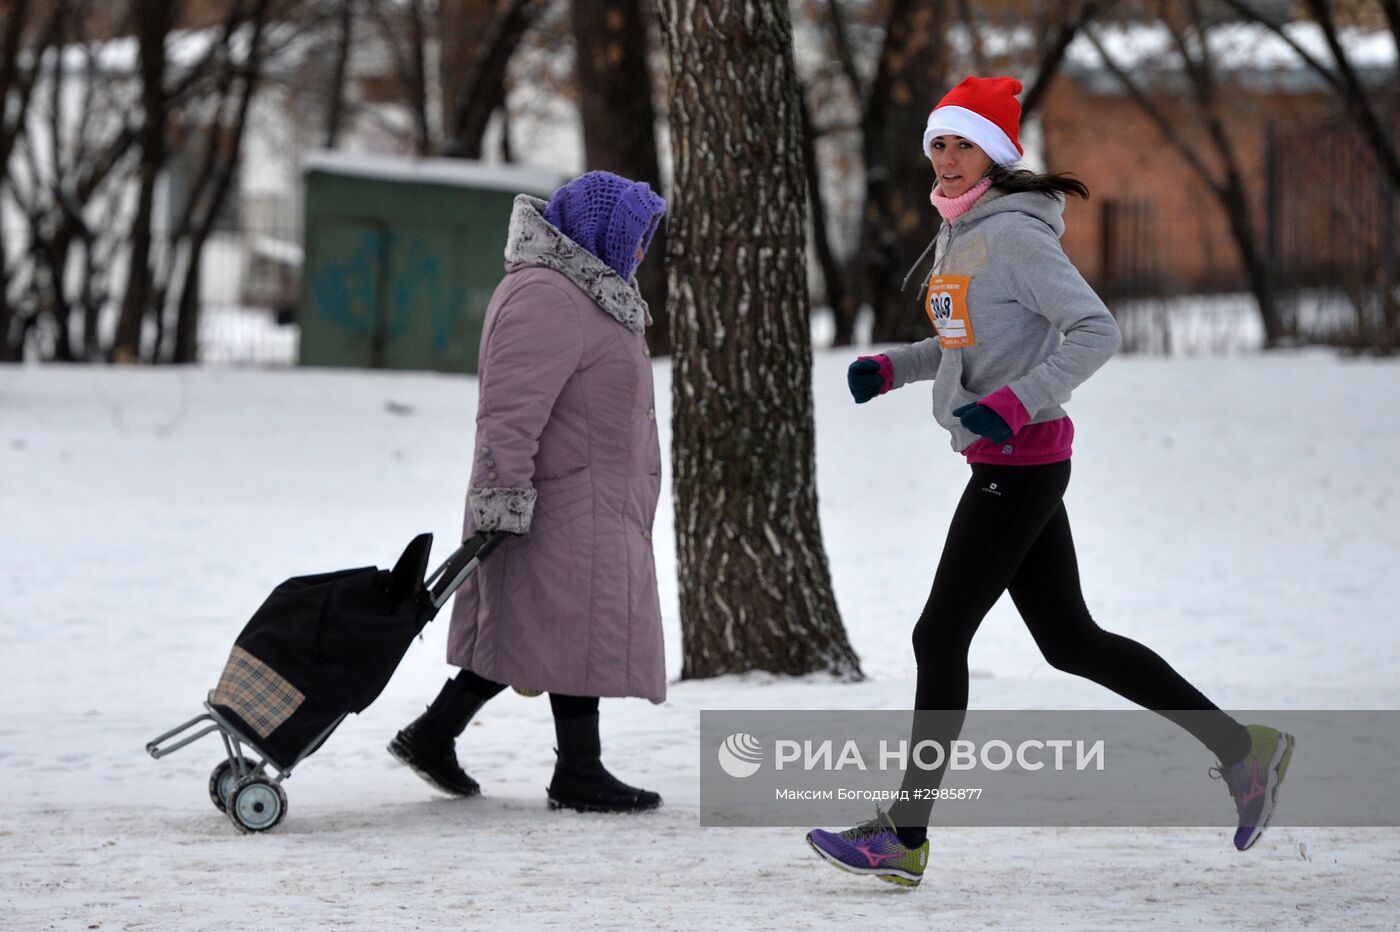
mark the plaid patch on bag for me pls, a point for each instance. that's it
(255, 691)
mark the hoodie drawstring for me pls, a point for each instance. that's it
(919, 261)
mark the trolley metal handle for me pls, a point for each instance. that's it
(461, 564)
(154, 748)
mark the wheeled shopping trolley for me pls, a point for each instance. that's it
(319, 648)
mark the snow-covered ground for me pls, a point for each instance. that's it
(1240, 515)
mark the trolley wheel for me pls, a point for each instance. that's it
(257, 804)
(222, 780)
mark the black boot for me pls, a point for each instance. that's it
(428, 744)
(581, 781)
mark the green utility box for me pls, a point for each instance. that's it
(402, 256)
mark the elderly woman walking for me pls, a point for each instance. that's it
(566, 459)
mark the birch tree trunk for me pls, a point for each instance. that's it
(755, 590)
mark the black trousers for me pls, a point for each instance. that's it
(1011, 533)
(563, 706)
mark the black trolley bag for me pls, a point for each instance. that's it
(319, 648)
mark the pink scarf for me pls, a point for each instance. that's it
(954, 207)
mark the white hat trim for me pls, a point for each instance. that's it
(960, 121)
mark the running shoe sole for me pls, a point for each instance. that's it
(888, 874)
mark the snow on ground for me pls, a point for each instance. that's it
(1241, 516)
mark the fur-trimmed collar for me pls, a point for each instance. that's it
(533, 240)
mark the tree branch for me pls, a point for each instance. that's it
(841, 42)
(483, 88)
(1155, 114)
(335, 108)
(1247, 12)
(1053, 54)
(1391, 8)
(974, 37)
(1357, 100)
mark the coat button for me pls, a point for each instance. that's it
(646, 535)
(651, 414)
(646, 350)
(493, 474)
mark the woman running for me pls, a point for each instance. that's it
(1018, 329)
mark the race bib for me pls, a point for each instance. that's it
(946, 305)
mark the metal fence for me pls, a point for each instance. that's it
(249, 290)
(1326, 231)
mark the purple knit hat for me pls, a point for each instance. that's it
(607, 215)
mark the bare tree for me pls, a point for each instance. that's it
(16, 90)
(483, 88)
(1065, 22)
(838, 294)
(619, 120)
(78, 166)
(841, 47)
(335, 97)
(54, 174)
(462, 26)
(898, 223)
(154, 21)
(754, 583)
(1364, 105)
(54, 192)
(1342, 76)
(1391, 9)
(972, 28)
(405, 30)
(1189, 35)
(223, 148)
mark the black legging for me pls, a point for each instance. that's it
(563, 706)
(1011, 533)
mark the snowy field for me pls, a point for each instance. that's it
(1241, 515)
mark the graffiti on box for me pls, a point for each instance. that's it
(414, 281)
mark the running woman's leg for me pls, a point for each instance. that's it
(1047, 593)
(1002, 511)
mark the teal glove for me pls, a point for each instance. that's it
(869, 376)
(983, 421)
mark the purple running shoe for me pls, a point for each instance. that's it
(1254, 781)
(872, 848)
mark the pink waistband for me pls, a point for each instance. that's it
(1032, 445)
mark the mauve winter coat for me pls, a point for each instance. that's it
(566, 454)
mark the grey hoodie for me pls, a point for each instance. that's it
(1036, 324)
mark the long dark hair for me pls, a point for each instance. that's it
(1049, 183)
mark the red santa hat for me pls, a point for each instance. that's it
(983, 110)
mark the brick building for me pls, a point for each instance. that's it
(1320, 208)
